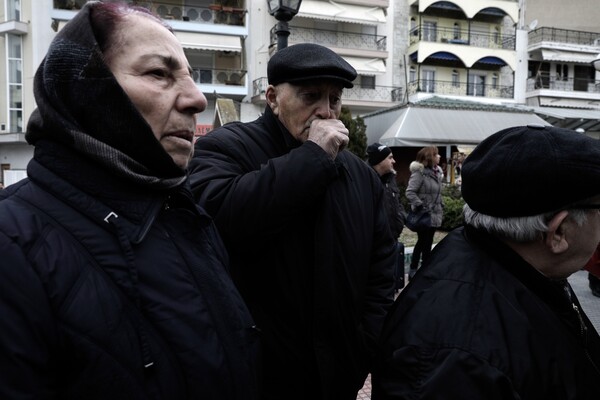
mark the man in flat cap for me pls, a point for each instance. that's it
(492, 316)
(305, 226)
(381, 159)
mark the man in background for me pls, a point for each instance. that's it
(492, 315)
(381, 159)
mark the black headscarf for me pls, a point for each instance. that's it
(81, 105)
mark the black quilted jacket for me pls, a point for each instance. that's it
(113, 283)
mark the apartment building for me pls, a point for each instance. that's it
(228, 44)
(462, 48)
(562, 85)
(405, 52)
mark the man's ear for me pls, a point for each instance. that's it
(271, 97)
(555, 239)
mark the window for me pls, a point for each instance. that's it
(413, 27)
(455, 78)
(412, 74)
(562, 72)
(15, 83)
(456, 31)
(476, 84)
(428, 81)
(14, 10)
(497, 36)
(430, 31)
(495, 81)
(367, 82)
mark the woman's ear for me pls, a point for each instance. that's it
(555, 239)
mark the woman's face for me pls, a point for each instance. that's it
(151, 67)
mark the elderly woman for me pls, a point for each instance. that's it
(424, 190)
(113, 283)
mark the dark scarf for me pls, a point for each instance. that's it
(81, 105)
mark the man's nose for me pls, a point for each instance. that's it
(324, 110)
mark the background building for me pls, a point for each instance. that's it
(492, 53)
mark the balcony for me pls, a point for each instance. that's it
(375, 44)
(216, 82)
(553, 82)
(460, 89)
(176, 10)
(462, 37)
(374, 97)
(563, 36)
(208, 76)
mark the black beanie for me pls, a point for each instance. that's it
(377, 152)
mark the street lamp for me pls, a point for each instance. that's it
(283, 11)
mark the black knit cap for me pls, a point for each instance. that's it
(531, 170)
(377, 152)
(306, 62)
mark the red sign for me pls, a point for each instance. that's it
(202, 130)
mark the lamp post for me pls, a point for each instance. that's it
(283, 11)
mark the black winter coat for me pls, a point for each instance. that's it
(310, 252)
(478, 322)
(93, 288)
(395, 209)
(113, 283)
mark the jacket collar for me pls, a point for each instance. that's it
(66, 174)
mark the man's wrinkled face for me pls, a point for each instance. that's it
(296, 106)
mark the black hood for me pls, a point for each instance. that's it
(81, 105)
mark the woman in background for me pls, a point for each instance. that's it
(424, 190)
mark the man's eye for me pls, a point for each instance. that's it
(311, 96)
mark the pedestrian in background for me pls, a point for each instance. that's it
(381, 159)
(492, 315)
(113, 282)
(305, 224)
(424, 191)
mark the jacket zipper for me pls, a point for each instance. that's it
(583, 328)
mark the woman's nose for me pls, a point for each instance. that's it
(191, 100)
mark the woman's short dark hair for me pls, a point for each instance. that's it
(106, 16)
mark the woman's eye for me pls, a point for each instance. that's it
(158, 72)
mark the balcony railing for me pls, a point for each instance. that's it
(546, 81)
(348, 40)
(462, 37)
(460, 89)
(208, 76)
(563, 36)
(357, 93)
(212, 14)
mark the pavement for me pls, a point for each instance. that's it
(589, 303)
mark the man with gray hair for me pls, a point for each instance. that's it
(492, 315)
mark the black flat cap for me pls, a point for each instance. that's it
(307, 61)
(377, 152)
(531, 170)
